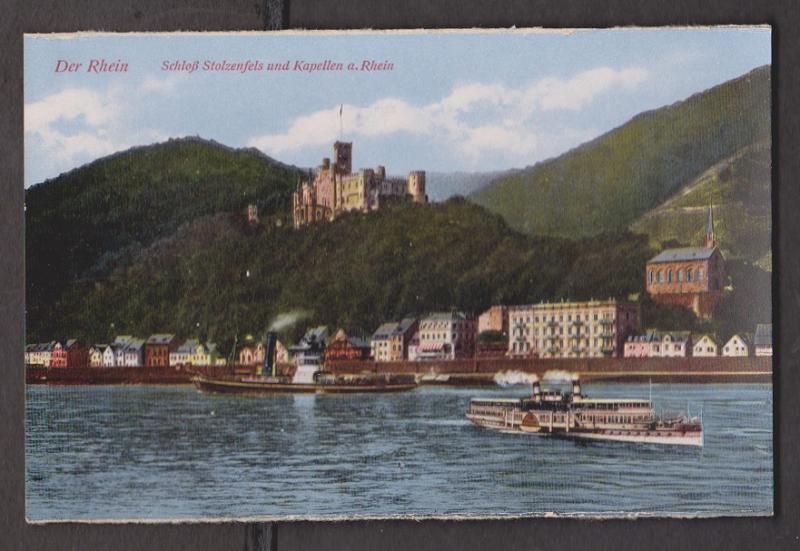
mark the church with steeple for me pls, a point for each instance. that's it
(691, 277)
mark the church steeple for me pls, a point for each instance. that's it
(710, 242)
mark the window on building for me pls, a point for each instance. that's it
(680, 275)
(669, 276)
(689, 274)
(651, 277)
(658, 278)
(699, 274)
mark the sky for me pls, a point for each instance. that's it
(463, 101)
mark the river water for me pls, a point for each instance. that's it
(169, 452)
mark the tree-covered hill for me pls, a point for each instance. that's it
(219, 277)
(81, 223)
(607, 183)
(739, 189)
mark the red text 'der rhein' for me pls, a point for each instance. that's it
(92, 66)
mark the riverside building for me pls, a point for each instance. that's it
(692, 277)
(589, 329)
(446, 336)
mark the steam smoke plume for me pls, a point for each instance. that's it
(287, 319)
(508, 378)
(559, 376)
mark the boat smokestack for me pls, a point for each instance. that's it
(537, 391)
(269, 353)
(576, 387)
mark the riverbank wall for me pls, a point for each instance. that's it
(483, 371)
(471, 372)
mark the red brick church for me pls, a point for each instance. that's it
(692, 277)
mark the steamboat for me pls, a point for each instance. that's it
(575, 415)
(309, 378)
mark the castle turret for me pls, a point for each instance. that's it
(343, 157)
(416, 186)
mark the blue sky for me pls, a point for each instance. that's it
(453, 101)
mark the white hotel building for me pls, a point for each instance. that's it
(591, 329)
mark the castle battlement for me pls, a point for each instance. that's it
(335, 189)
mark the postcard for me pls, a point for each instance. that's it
(399, 274)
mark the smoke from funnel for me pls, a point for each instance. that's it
(559, 376)
(287, 319)
(508, 378)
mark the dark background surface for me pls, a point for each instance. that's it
(780, 532)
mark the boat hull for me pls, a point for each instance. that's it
(221, 386)
(637, 435)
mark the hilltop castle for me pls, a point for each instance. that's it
(334, 189)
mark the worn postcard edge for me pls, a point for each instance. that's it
(586, 516)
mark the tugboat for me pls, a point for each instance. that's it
(575, 415)
(309, 378)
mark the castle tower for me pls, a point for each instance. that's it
(416, 186)
(710, 243)
(343, 157)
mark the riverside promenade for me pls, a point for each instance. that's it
(719, 369)
(469, 372)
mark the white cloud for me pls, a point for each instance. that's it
(69, 104)
(80, 124)
(473, 119)
(464, 97)
(582, 89)
(385, 116)
(515, 140)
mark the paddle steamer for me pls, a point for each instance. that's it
(575, 415)
(309, 378)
